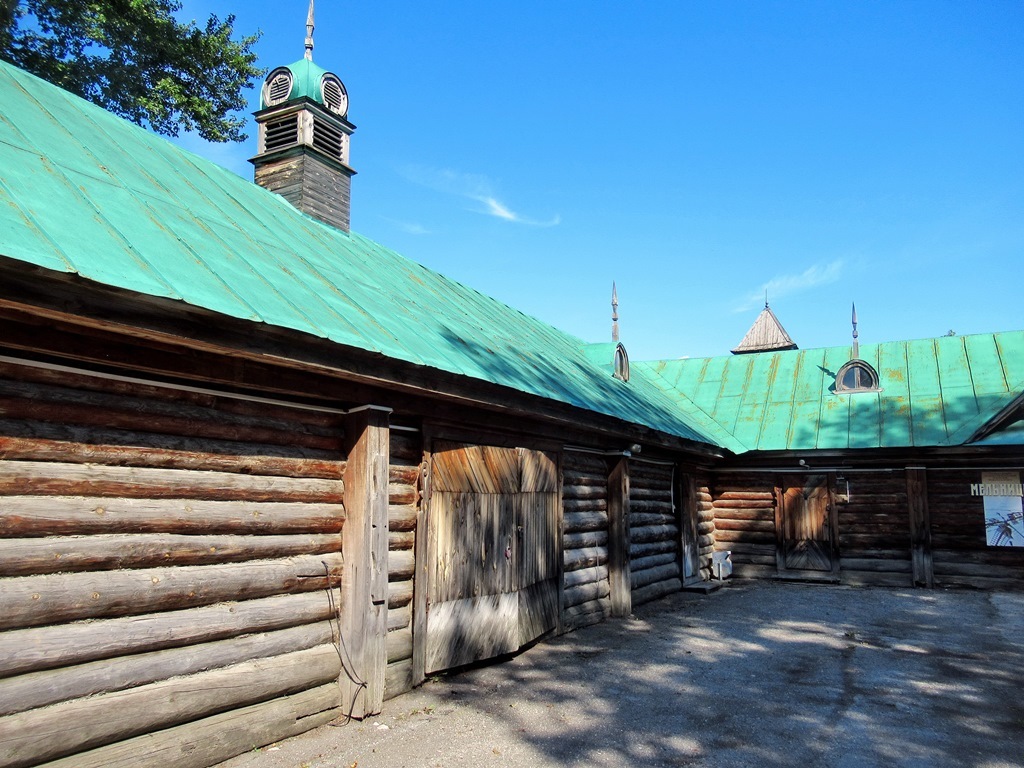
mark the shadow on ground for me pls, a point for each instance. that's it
(757, 674)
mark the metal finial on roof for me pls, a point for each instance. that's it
(856, 344)
(309, 32)
(615, 313)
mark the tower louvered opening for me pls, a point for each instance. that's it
(328, 139)
(282, 133)
(335, 98)
(278, 88)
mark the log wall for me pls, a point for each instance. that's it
(586, 599)
(168, 564)
(403, 515)
(874, 528)
(655, 546)
(960, 552)
(707, 530)
(743, 506)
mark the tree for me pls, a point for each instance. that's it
(136, 60)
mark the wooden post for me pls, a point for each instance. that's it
(686, 487)
(421, 560)
(618, 538)
(920, 527)
(364, 547)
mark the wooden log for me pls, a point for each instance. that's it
(399, 594)
(743, 504)
(584, 492)
(218, 426)
(399, 541)
(40, 689)
(703, 497)
(135, 391)
(407, 475)
(399, 618)
(402, 517)
(398, 678)
(576, 559)
(706, 528)
(584, 593)
(51, 479)
(578, 522)
(654, 561)
(721, 524)
(661, 508)
(585, 540)
(727, 538)
(707, 540)
(874, 565)
(602, 608)
(661, 496)
(653, 533)
(73, 726)
(669, 572)
(29, 516)
(64, 645)
(213, 739)
(28, 601)
(399, 645)
(572, 479)
(764, 496)
(585, 506)
(251, 459)
(63, 554)
(402, 495)
(646, 548)
(767, 513)
(401, 565)
(586, 576)
(642, 519)
(656, 590)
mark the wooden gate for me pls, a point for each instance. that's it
(492, 552)
(807, 528)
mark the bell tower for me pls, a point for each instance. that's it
(304, 134)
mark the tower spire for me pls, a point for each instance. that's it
(856, 344)
(615, 313)
(309, 32)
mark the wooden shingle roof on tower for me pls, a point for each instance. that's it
(765, 335)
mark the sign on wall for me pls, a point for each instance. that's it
(1004, 508)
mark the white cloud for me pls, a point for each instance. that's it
(409, 227)
(473, 187)
(787, 285)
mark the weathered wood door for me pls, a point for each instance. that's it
(807, 525)
(492, 552)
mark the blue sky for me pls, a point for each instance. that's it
(696, 153)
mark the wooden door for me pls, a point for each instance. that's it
(492, 552)
(807, 524)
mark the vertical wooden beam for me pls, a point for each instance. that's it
(560, 547)
(686, 487)
(421, 581)
(618, 538)
(920, 527)
(364, 548)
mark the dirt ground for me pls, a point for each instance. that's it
(756, 674)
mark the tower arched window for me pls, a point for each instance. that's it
(856, 376)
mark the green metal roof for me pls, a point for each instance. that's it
(85, 192)
(933, 392)
(306, 77)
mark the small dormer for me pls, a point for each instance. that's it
(304, 135)
(856, 375)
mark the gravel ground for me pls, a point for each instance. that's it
(756, 674)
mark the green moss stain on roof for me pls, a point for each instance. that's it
(85, 192)
(933, 392)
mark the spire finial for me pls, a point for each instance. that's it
(766, 298)
(615, 313)
(856, 344)
(309, 32)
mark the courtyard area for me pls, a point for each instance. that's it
(755, 674)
